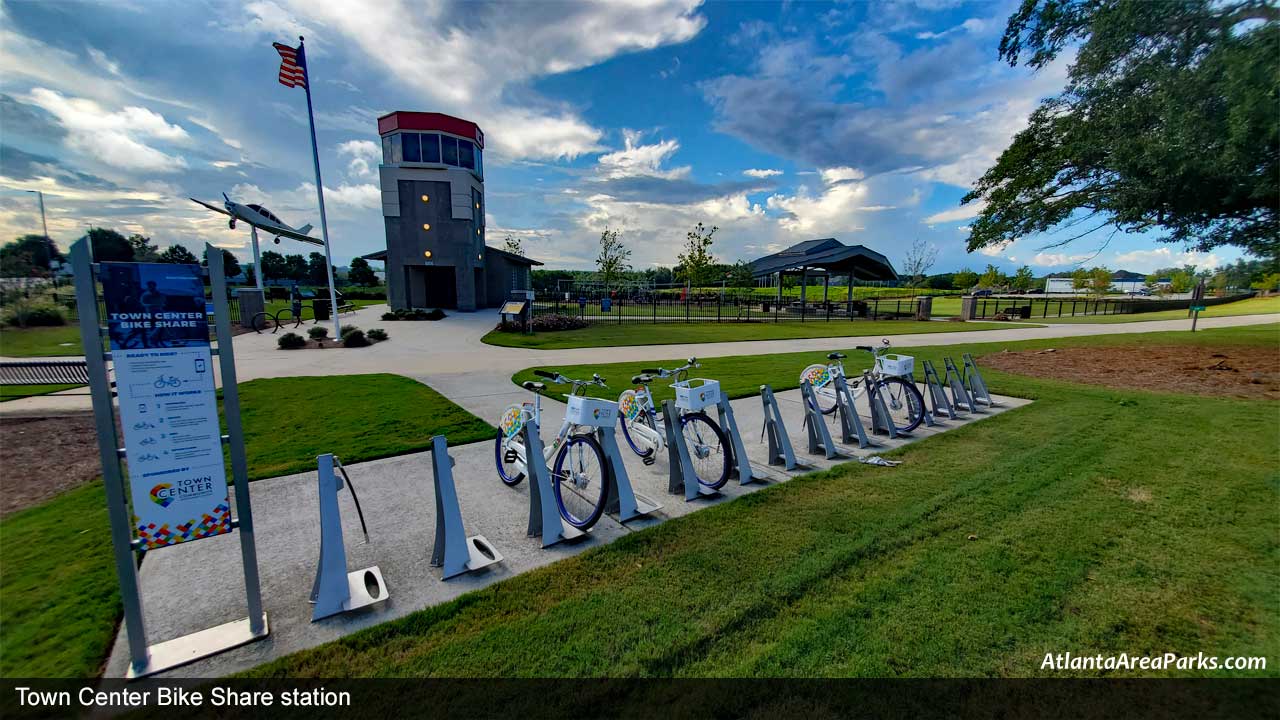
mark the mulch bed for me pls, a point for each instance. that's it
(42, 457)
(1239, 371)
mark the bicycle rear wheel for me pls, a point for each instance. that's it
(708, 449)
(905, 403)
(646, 419)
(580, 482)
(508, 473)
(819, 376)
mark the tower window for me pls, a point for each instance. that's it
(431, 148)
(466, 154)
(449, 149)
(412, 149)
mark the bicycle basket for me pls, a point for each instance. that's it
(696, 393)
(896, 365)
(592, 411)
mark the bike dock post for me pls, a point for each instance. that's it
(929, 421)
(624, 501)
(683, 477)
(454, 552)
(819, 436)
(742, 466)
(544, 516)
(937, 395)
(335, 590)
(780, 452)
(959, 395)
(973, 380)
(881, 421)
(850, 424)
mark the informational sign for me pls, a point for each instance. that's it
(168, 402)
(1197, 308)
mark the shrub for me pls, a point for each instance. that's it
(415, 314)
(390, 316)
(377, 334)
(26, 313)
(550, 322)
(292, 341)
(318, 332)
(346, 330)
(355, 338)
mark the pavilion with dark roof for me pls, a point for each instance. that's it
(823, 258)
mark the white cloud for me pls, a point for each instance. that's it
(1163, 257)
(756, 173)
(1057, 259)
(365, 156)
(963, 212)
(114, 138)
(841, 174)
(636, 159)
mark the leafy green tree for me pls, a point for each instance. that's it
(991, 278)
(230, 264)
(109, 246)
(360, 273)
(964, 279)
(178, 255)
(1168, 121)
(1181, 281)
(295, 267)
(614, 258)
(317, 269)
(696, 260)
(1100, 281)
(1023, 279)
(28, 256)
(739, 275)
(143, 250)
(1269, 282)
(274, 266)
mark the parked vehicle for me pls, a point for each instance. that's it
(985, 292)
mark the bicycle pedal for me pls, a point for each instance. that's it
(649, 460)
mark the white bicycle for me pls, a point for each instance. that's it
(578, 476)
(709, 447)
(892, 375)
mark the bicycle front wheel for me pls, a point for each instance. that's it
(708, 449)
(504, 455)
(905, 403)
(580, 482)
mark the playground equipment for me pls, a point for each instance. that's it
(780, 451)
(974, 383)
(580, 484)
(713, 463)
(891, 374)
(545, 518)
(960, 397)
(453, 552)
(335, 590)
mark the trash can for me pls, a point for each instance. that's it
(321, 308)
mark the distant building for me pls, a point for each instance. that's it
(1122, 281)
(432, 180)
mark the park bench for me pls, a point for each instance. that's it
(44, 372)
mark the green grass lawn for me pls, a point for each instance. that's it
(606, 335)
(1090, 521)
(40, 341)
(14, 392)
(1252, 306)
(60, 601)
(289, 421)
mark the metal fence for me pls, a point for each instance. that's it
(1023, 308)
(656, 308)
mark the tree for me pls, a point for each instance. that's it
(177, 254)
(1100, 281)
(274, 266)
(1269, 283)
(991, 278)
(230, 264)
(109, 246)
(1181, 281)
(739, 275)
(295, 267)
(1079, 279)
(1023, 279)
(317, 269)
(696, 259)
(512, 245)
(964, 279)
(614, 257)
(360, 273)
(28, 256)
(1167, 122)
(920, 257)
(143, 250)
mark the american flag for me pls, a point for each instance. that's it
(293, 65)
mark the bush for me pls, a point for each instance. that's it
(318, 332)
(389, 316)
(346, 330)
(355, 338)
(369, 293)
(377, 334)
(292, 341)
(548, 322)
(415, 314)
(27, 313)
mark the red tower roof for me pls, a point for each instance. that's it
(405, 120)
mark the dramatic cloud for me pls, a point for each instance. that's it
(115, 138)
(637, 160)
(364, 157)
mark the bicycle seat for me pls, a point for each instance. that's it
(644, 379)
(836, 356)
(534, 386)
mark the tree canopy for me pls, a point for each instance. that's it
(360, 273)
(28, 256)
(177, 254)
(109, 245)
(1168, 123)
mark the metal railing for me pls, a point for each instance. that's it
(657, 308)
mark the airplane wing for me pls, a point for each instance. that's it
(214, 208)
(292, 234)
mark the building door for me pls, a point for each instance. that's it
(440, 286)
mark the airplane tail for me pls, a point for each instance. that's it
(305, 229)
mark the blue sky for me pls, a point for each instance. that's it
(776, 122)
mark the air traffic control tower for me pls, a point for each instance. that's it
(432, 180)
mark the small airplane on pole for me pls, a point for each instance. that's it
(258, 217)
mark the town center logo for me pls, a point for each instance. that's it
(162, 494)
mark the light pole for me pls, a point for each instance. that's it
(45, 225)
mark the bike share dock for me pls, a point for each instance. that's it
(399, 505)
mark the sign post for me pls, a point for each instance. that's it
(1195, 315)
(159, 337)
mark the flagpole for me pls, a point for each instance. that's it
(324, 224)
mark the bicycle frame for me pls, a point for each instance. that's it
(534, 411)
(644, 396)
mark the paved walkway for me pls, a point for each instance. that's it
(449, 355)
